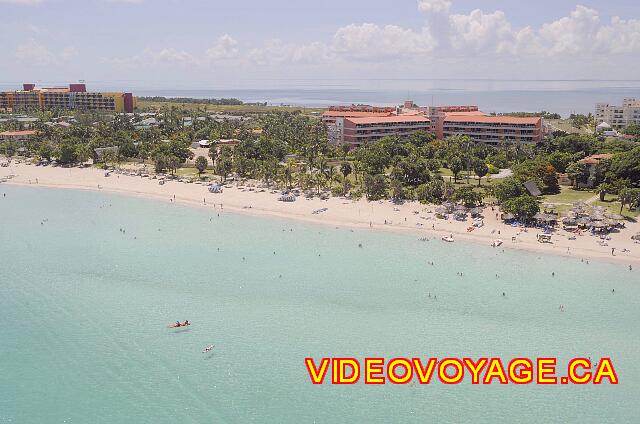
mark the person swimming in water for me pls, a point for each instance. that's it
(186, 322)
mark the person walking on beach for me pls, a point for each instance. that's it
(613, 250)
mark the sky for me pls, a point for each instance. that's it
(250, 43)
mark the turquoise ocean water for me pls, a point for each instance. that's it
(84, 309)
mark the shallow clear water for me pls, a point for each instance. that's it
(84, 310)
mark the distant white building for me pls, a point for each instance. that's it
(619, 117)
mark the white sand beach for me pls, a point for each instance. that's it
(408, 217)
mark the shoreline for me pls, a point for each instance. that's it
(410, 217)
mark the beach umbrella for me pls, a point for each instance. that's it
(508, 217)
(539, 216)
(476, 211)
(569, 221)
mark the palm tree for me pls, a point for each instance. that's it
(345, 169)
(481, 169)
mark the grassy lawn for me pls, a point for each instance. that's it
(612, 204)
(566, 126)
(193, 172)
(568, 195)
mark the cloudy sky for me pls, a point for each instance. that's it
(189, 43)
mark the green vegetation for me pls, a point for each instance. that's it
(569, 196)
(201, 106)
(291, 150)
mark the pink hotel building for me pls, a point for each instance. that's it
(361, 124)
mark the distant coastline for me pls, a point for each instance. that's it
(492, 95)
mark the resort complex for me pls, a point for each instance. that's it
(247, 212)
(73, 97)
(619, 117)
(360, 124)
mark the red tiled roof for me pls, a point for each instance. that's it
(595, 159)
(388, 119)
(17, 133)
(491, 119)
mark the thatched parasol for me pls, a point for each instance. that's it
(583, 221)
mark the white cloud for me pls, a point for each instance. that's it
(370, 41)
(33, 53)
(571, 34)
(277, 52)
(434, 6)
(467, 42)
(620, 36)
(170, 56)
(480, 30)
(225, 47)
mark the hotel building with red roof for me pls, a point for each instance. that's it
(357, 125)
(355, 131)
(494, 130)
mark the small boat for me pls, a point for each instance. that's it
(496, 243)
(208, 348)
(448, 239)
(177, 325)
